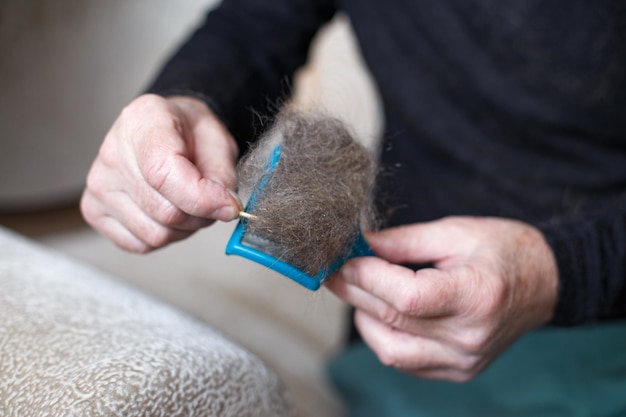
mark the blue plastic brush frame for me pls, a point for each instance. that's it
(236, 246)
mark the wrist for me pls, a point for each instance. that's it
(543, 264)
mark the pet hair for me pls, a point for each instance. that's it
(319, 196)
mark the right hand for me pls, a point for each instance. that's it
(165, 169)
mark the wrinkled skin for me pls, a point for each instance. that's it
(165, 169)
(493, 280)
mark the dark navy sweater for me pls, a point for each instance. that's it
(493, 108)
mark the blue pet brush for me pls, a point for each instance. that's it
(248, 247)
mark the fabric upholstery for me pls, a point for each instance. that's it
(73, 341)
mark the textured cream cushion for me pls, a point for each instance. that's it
(74, 342)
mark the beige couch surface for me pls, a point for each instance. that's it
(74, 341)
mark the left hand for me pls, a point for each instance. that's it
(493, 280)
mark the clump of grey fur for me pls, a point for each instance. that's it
(319, 195)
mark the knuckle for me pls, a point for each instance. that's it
(138, 106)
(88, 210)
(108, 152)
(132, 110)
(137, 247)
(391, 316)
(157, 237)
(408, 303)
(474, 342)
(468, 365)
(495, 299)
(388, 356)
(170, 215)
(157, 172)
(96, 182)
(469, 368)
(132, 244)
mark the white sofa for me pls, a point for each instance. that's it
(77, 342)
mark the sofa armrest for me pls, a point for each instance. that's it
(74, 341)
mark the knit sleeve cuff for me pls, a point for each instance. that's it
(573, 305)
(591, 257)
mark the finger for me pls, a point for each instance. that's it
(404, 351)
(425, 293)
(121, 236)
(166, 167)
(386, 313)
(108, 193)
(110, 227)
(135, 219)
(215, 152)
(418, 356)
(356, 297)
(446, 374)
(129, 219)
(162, 211)
(420, 243)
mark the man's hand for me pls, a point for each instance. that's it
(493, 280)
(165, 169)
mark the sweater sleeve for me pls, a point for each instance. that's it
(241, 60)
(591, 256)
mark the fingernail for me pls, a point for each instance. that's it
(235, 197)
(226, 213)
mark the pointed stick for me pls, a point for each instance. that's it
(247, 215)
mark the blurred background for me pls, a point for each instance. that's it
(66, 70)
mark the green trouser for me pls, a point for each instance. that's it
(550, 372)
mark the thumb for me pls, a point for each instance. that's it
(215, 151)
(418, 243)
(215, 155)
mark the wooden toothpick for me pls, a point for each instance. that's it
(247, 215)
